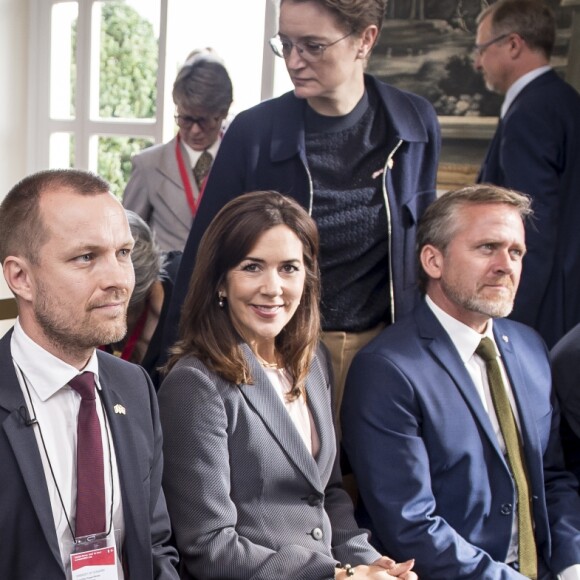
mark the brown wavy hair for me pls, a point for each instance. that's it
(206, 330)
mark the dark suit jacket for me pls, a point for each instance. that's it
(28, 543)
(434, 482)
(565, 358)
(535, 150)
(246, 498)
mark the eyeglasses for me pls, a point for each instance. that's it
(479, 49)
(204, 123)
(309, 51)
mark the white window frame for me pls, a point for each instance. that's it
(84, 127)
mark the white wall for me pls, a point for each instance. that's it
(13, 102)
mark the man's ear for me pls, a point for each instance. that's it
(431, 259)
(18, 275)
(516, 45)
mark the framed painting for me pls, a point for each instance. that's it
(426, 47)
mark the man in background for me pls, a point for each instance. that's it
(535, 150)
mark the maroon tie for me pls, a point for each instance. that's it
(90, 518)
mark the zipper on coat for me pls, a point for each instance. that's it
(310, 185)
(387, 167)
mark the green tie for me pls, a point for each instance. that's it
(202, 167)
(509, 430)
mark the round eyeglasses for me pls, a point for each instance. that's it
(308, 50)
(204, 123)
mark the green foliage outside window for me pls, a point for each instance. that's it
(127, 86)
(128, 89)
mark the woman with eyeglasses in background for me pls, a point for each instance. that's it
(361, 156)
(167, 180)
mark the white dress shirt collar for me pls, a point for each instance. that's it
(45, 372)
(464, 338)
(195, 155)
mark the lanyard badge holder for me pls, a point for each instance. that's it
(95, 557)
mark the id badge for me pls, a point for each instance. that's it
(94, 558)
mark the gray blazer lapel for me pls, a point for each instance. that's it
(264, 400)
(174, 197)
(23, 442)
(168, 163)
(319, 405)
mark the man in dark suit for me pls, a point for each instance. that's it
(80, 439)
(535, 150)
(565, 357)
(426, 424)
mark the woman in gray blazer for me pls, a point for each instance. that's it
(251, 474)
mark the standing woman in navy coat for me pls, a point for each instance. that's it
(361, 156)
(251, 474)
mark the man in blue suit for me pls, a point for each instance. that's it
(419, 425)
(535, 150)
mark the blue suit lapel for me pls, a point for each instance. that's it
(25, 448)
(264, 400)
(444, 351)
(517, 380)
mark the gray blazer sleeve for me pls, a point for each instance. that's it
(239, 506)
(136, 196)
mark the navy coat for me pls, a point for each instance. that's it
(264, 148)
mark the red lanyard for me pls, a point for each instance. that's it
(186, 179)
(127, 352)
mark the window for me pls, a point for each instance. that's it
(108, 67)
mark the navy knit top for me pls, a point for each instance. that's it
(346, 156)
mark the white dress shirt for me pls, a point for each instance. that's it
(466, 340)
(297, 409)
(44, 381)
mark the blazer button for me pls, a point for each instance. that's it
(506, 509)
(317, 534)
(313, 500)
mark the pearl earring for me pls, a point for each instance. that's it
(221, 301)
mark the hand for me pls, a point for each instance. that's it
(401, 570)
(383, 569)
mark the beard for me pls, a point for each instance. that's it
(69, 332)
(498, 307)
